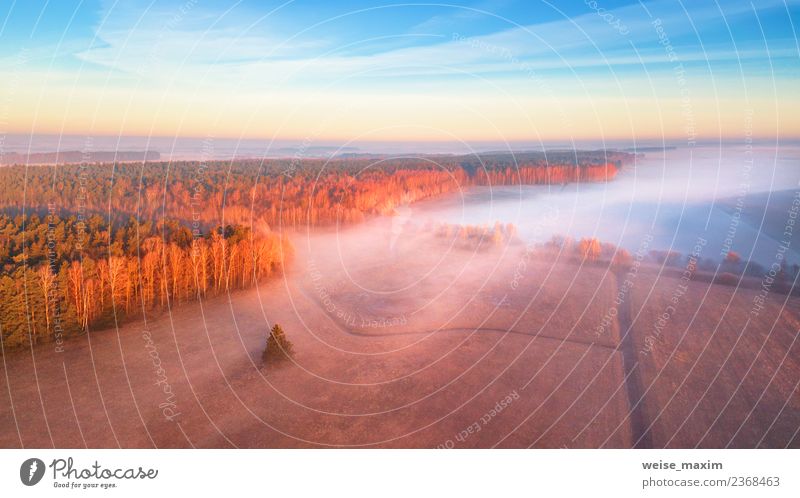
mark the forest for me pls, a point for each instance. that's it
(74, 156)
(64, 277)
(288, 193)
(89, 245)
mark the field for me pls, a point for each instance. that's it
(404, 339)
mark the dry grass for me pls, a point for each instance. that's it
(416, 382)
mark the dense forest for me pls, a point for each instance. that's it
(89, 245)
(62, 276)
(74, 156)
(285, 194)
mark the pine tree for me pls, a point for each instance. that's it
(278, 346)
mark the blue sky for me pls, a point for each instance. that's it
(511, 69)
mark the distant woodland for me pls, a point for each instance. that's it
(285, 194)
(74, 156)
(88, 245)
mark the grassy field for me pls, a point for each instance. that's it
(416, 343)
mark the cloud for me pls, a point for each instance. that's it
(158, 40)
(220, 48)
(234, 69)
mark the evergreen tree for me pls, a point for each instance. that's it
(278, 346)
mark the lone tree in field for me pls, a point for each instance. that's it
(278, 346)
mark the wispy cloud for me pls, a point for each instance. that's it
(224, 47)
(244, 68)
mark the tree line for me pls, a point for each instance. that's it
(284, 194)
(61, 278)
(84, 246)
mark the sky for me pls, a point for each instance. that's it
(350, 71)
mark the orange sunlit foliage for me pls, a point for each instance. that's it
(86, 244)
(282, 194)
(550, 174)
(590, 249)
(49, 290)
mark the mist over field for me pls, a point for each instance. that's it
(479, 224)
(606, 312)
(732, 196)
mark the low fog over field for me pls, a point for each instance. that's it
(675, 196)
(445, 326)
